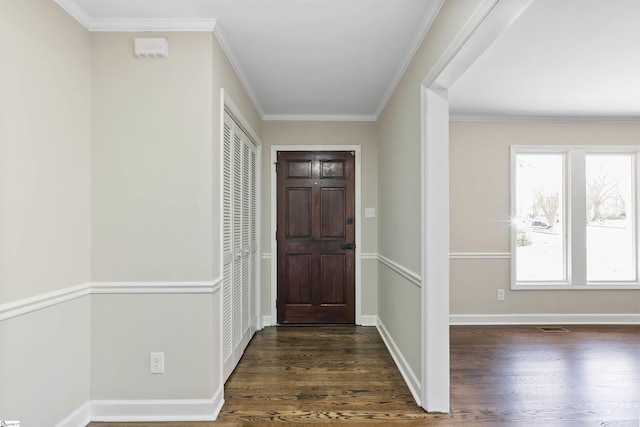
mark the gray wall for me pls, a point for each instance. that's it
(45, 146)
(399, 187)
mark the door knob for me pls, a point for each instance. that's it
(348, 246)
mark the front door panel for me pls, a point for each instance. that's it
(316, 222)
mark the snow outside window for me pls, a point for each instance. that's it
(574, 217)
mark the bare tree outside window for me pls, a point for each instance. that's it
(540, 238)
(602, 189)
(574, 216)
(547, 204)
(610, 217)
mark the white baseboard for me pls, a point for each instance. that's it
(404, 368)
(218, 401)
(158, 410)
(368, 320)
(267, 321)
(544, 319)
(78, 418)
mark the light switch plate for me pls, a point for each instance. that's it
(369, 212)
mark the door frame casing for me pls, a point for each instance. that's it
(274, 221)
(489, 21)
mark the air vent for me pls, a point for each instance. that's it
(151, 48)
(553, 329)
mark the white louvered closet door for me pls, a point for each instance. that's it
(253, 234)
(239, 242)
(227, 245)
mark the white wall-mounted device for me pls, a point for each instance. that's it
(151, 47)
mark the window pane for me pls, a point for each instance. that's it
(610, 217)
(540, 239)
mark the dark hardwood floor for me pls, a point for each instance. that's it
(500, 376)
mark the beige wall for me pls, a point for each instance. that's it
(108, 172)
(225, 78)
(178, 325)
(152, 160)
(325, 133)
(45, 359)
(399, 188)
(156, 156)
(155, 168)
(152, 209)
(480, 182)
(399, 147)
(45, 89)
(45, 137)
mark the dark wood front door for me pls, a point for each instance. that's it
(316, 237)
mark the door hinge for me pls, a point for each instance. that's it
(276, 163)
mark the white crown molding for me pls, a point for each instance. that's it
(552, 118)
(134, 25)
(409, 376)
(235, 64)
(457, 43)
(38, 302)
(404, 272)
(142, 25)
(72, 8)
(490, 21)
(319, 118)
(545, 319)
(427, 21)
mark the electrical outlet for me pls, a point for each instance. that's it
(500, 294)
(369, 212)
(157, 363)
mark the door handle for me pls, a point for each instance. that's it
(348, 246)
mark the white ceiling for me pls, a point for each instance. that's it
(341, 59)
(561, 60)
(309, 58)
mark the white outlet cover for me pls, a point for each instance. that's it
(156, 361)
(369, 212)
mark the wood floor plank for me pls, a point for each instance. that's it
(500, 376)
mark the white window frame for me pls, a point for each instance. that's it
(574, 217)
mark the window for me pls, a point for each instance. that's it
(574, 217)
